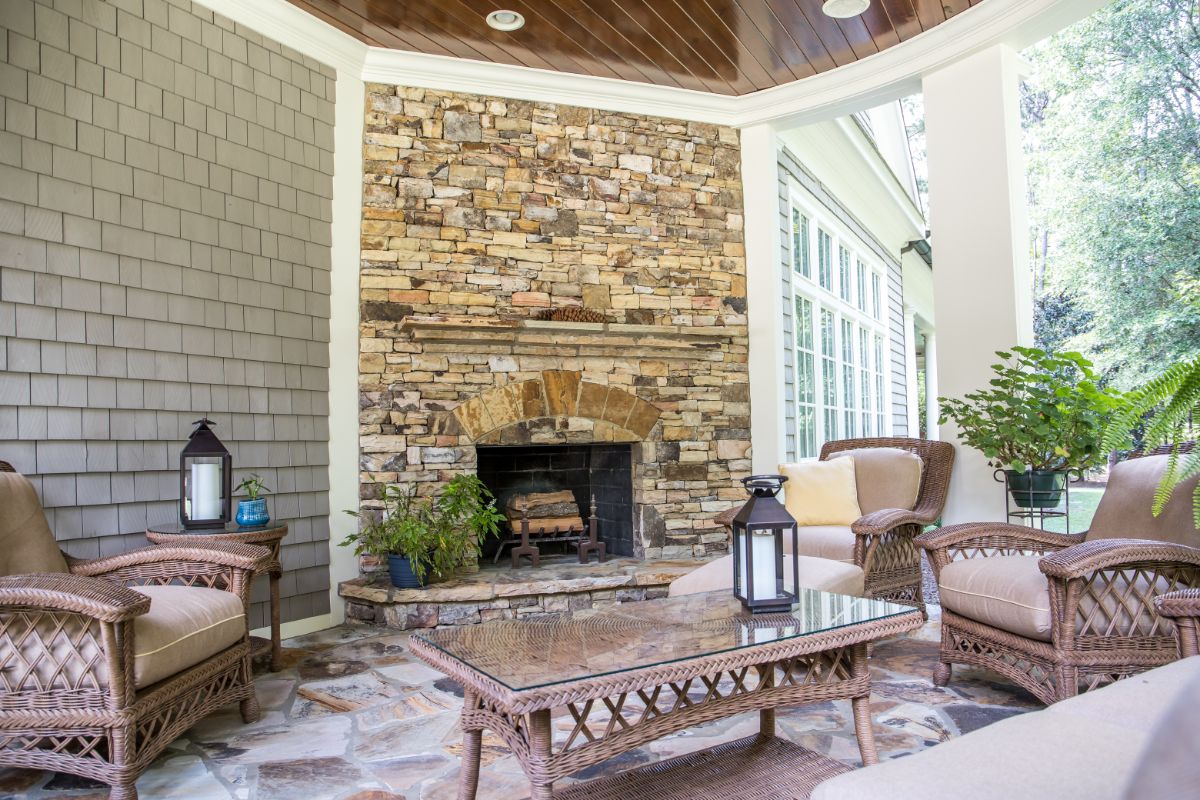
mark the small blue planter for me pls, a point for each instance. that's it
(401, 572)
(253, 513)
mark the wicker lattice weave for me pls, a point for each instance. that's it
(1105, 618)
(68, 702)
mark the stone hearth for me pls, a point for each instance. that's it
(498, 592)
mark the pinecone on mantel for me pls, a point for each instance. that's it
(572, 314)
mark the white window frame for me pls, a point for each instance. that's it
(872, 375)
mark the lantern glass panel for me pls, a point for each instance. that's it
(203, 479)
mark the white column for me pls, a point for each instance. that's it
(932, 409)
(764, 281)
(981, 281)
(912, 411)
(343, 332)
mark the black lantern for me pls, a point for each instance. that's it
(758, 557)
(205, 480)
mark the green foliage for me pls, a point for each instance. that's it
(1044, 411)
(1113, 132)
(438, 534)
(253, 486)
(1168, 407)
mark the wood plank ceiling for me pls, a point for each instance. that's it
(722, 46)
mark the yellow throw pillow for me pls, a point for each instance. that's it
(821, 492)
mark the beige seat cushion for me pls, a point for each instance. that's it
(26, 543)
(1083, 748)
(834, 542)
(821, 492)
(184, 626)
(1171, 759)
(1006, 592)
(1125, 510)
(815, 573)
(886, 477)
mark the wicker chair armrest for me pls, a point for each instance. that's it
(1079, 561)
(1182, 603)
(247, 557)
(90, 597)
(885, 519)
(983, 534)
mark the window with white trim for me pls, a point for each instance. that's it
(840, 332)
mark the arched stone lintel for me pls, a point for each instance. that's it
(556, 394)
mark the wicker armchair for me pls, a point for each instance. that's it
(1062, 613)
(883, 539)
(97, 678)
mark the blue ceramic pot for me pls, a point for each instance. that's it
(401, 572)
(253, 513)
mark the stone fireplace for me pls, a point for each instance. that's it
(479, 215)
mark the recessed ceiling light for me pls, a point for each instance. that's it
(843, 9)
(505, 20)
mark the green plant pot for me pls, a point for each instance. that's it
(401, 572)
(1040, 488)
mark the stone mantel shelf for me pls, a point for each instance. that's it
(483, 330)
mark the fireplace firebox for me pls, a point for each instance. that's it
(602, 471)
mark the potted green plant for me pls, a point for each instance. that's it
(427, 537)
(1043, 415)
(1164, 412)
(252, 512)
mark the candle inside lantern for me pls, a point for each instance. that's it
(763, 550)
(206, 491)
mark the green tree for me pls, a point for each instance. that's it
(1113, 132)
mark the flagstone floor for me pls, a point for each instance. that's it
(354, 717)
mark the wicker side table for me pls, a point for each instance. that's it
(269, 536)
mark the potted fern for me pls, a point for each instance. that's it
(1042, 416)
(1165, 410)
(426, 538)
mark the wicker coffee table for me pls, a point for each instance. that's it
(568, 691)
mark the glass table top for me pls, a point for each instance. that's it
(558, 648)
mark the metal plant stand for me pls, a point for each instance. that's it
(1036, 517)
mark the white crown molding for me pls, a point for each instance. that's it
(285, 23)
(897, 71)
(527, 83)
(885, 76)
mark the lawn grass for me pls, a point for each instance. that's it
(1083, 506)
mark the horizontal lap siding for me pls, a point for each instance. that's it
(165, 198)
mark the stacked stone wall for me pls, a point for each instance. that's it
(480, 213)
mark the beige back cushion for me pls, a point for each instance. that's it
(26, 543)
(887, 477)
(1125, 507)
(821, 492)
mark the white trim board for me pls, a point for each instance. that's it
(885, 76)
(298, 627)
